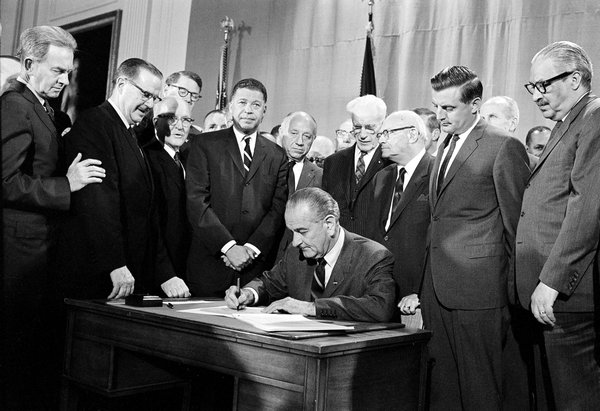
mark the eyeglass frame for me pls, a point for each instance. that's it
(186, 92)
(146, 95)
(386, 133)
(357, 130)
(543, 84)
(172, 119)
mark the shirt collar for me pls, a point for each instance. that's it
(240, 136)
(112, 103)
(169, 150)
(332, 256)
(411, 166)
(41, 99)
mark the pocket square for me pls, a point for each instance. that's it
(423, 197)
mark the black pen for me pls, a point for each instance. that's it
(238, 293)
(170, 305)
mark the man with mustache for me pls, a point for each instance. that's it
(34, 193)
(237, 187)
(110, 245)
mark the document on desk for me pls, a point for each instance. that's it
(272, 322)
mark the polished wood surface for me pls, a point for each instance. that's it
(382, 369)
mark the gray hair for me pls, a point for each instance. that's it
(317, 200)
(35, 41)
(284, 128)
(412, 118)
(568, 56)
(509, 103)
(374, 106)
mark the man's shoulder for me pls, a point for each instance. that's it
(366, 245)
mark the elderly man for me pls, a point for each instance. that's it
(400, 203)
(34, 191)
(215, 120)
(475, 196)
(298, 131)
(432, 128)
(236, 188)
(559, 229)
(343, 135)
(347, 173)
(169, 182)
(110, 244)
(336, 275)
(536, 140)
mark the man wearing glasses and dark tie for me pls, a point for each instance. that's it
(109, 247)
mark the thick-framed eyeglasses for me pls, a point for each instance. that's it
(385, 134)
(183, 92)
(357, 130)
(541, 86)
(344, 135)
(186, 122)
(146, 95)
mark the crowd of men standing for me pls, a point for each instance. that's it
(485, 234)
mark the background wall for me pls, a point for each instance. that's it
(309, 53)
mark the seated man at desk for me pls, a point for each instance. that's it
(335, 274)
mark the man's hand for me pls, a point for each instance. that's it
(82, 173)
(175, 288)
(123, 282)
(292, 306)
(233, 301)
(239, 256)
(408, 305)
(542, 300)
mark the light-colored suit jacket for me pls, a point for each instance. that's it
(559, 229)
(474, 219)
(361, 287)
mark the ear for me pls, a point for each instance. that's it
(413, 135)
(265, 109)
(435, 135)
(475, 105)
(513, 125)
(330, 224)
(28, 64)
(575, 80)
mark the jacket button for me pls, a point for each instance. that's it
(522, 213)
(528, 185)
(385, 238)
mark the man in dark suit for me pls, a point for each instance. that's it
(169, 181)
(298, 131)
(34, 192)
(475, 193)
(111, 244)
(236, 188)
(348, 172)
(559, 230)
(336, 275)
(400, 202)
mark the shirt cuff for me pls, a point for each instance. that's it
(253, 291)
(256, 250)
(227, 246)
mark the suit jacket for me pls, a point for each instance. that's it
(171, 201)
(559, 229)
(352, 198)
(360, 288)
(32, 190)
(113, 223)
(311, 176)
(226, 204)
(406, 237)
(474, 219)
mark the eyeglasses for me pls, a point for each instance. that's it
(183, 92)
(542, 85)
(344, 135)
(172, 119)
(385, 134)
(316, 160)
(356, 131)
(146, 95)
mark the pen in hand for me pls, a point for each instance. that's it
(238, 293)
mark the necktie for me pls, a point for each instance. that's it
(320, 274)
(442, 173)
(247, 155)
(360, 167)
(398, 189)
(135, 138)
(49, 110)
(291, 179)
(179, 163)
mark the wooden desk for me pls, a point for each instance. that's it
(111, 349)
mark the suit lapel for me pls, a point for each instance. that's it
(37, 106)
(233, 149)
(434, 176)
(374, 166)
(258, 156)
(171, 168)
(384, 193)
(558, 133)
(342, 267)
(306, 177)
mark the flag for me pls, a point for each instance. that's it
(367, 78)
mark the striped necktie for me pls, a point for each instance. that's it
(360, 167)
(247, 155)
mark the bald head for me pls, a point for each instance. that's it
(502, 112)
(298, 131)
(402, 136)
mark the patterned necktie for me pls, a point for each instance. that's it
(398, 189)
(247, 155)
(320, 274)
(360, 167)
(442, 173)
